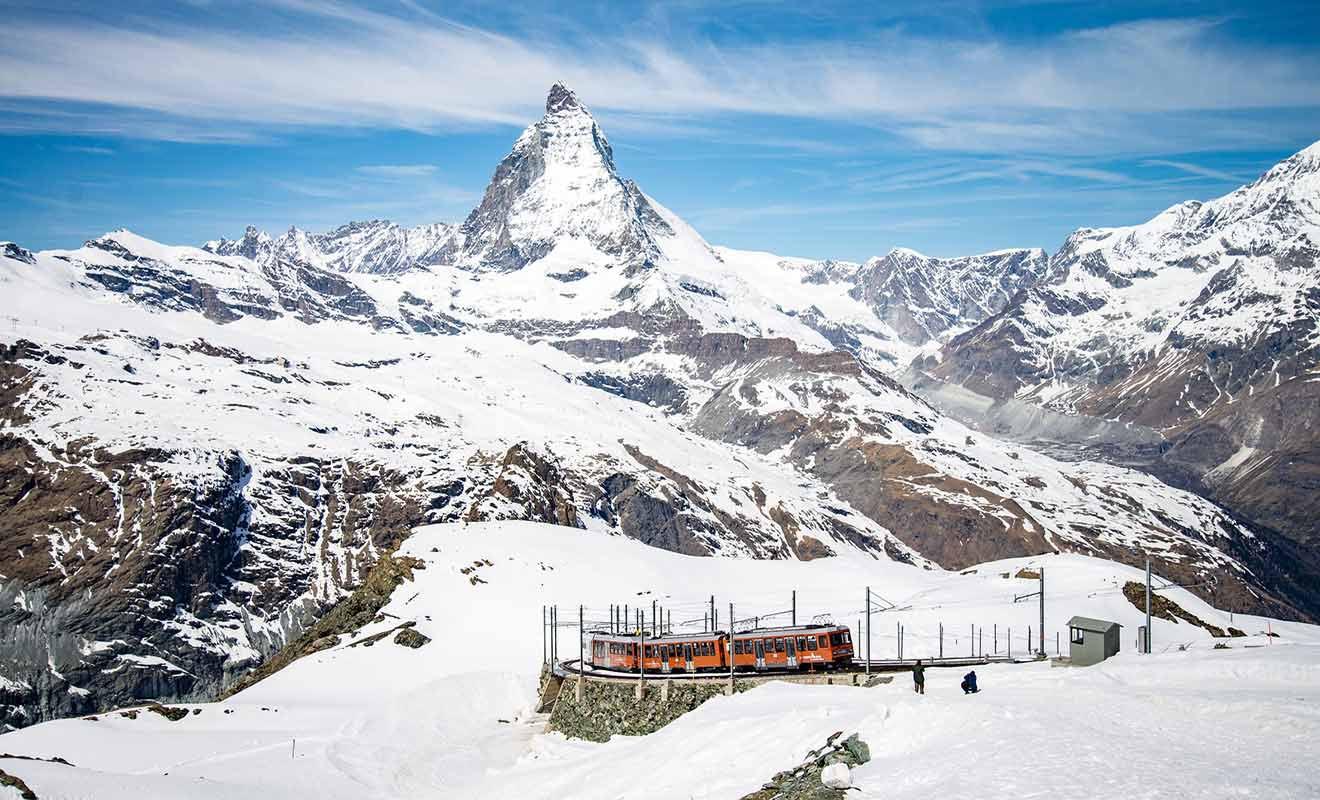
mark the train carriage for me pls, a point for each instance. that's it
(788, 648)
(793, 647)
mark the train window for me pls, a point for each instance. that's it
(847, 637)
(737, 647)
(779, 645)
(801, 643)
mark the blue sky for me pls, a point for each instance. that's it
(948, 127)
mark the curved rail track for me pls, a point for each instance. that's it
(573, 667)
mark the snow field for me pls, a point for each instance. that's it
(391, 722)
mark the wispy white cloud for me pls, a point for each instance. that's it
(1195, 169)
(88, 150)
(397, 171)
(355, 66)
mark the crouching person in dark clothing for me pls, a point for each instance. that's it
(919, 678)
(969, 683)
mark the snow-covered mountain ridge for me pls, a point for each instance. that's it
(1202, 325)
(205, 447)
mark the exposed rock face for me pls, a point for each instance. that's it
(124, 581)
(529, 486)
(346, 617)
(221, 290)
(1163, 608)
(376, 247)
(11, 250)
(921, 297)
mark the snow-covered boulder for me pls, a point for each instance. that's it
(836, 776)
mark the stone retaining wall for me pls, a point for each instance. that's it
(597, 709)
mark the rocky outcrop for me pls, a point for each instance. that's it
(530, 486)
(1162, 607)
(345, 617)
(805, 782)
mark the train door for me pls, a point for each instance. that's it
(760, 654)
(791, 651)
(665, 651)
(687, 655)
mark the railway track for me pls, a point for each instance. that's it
(573, 667)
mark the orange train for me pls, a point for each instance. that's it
(795, 647)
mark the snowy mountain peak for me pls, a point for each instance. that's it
(561, 98)
(559, 184)
(256, 245)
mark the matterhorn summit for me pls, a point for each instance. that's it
(559, 184)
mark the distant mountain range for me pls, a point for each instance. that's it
(205, 448)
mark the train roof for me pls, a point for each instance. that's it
(788, 629)
(705, 636)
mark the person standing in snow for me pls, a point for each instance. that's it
(969, 683)
(919, 678)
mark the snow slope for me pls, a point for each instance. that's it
(386, 721)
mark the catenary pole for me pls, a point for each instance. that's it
(1148, 637)
(868, 631)
(545, 653)
(731, 626)
(794, 609)
(1042, 612)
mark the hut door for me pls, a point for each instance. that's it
(687, 652)
(760, 654)
(792, 652)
